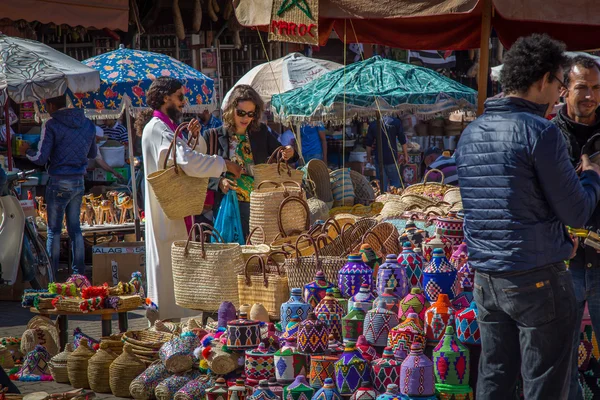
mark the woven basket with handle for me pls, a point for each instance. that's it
(436, 190)
(276, 170)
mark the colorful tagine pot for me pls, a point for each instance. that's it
(452, 367)
(414, 302)
(291, 329)
(440, 315)
(315, 291)
(413, 264)
(385, 370)
(404, 335)
(364, 296)
(416, 373)
(294, 307)
(467, 328)
(366, 349)
(465, 277)
(243, 334)
(459, 256)
(353, 274)
(330, 312)
(439, 276)
(313, 335)
(393, 275)
(351, 370)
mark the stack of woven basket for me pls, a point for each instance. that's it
(146, 344)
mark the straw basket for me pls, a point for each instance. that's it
(167, 388)
(98, 369)
(205, 274)
(350, 236)
(318, 210)
(178, 194)
(142, 387)
(341, 187)
(69, 304)
(146, 344)
(452, 196)
(6, 358)
(77, 365)
(317, 172)
(389, 236)
(58, 365)
(43, 335)
(436, 190)
(114, 343)
(123, 371)
(363, 191)
(293, 216)
(221, 362)
(276, 170)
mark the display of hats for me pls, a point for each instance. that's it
(465, 278)
(259, 363)
(404, 335)
(353, 275)
(440, 315)
(378, 323)
(366, 349)
(225, 314)
(295, 307)
(414, 302)
(167, 388)
(98, 369)
(364, 392)
(351, 370)
(328, 391)
(462, 301)
(416, 374)
(364, 296)
(142, 386)
(391, 392)
(451, 361)
(298, 390)
(342, 301)
(35, 366)
(413, 265)
(243, 333)
(451, 227)
(177, 353)
(316, 290)
(218, 391)
(392, 274)
(322, 368)
(353, 322)
(263, 392)
(313, 335)
(439, 276)
(238, 391)
(123, 371)
(388, 300)
(195, 389)
(385, 370)
(258, 312)
(436, 242)
(289, 362)
(329, 311)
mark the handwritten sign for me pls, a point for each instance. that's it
(295, 21)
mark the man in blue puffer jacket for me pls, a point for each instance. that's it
(519, 190)
(66, 143)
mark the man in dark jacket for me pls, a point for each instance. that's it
(519, 190)
(66, 143)
(579, 122)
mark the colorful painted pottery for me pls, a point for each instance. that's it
(243, 334)
(404, 335)
(295, 307)
(465, 276)
(413, 265)
(378, 324)
(289, 363)
(451, 228)
(353, 322)
(364, 296)
(388, 300)
(462, 301)
(436, 242)
(225, 314)
(392, 392)
(321, 369)
(439, 276)
(351, 370)
(343, 302)
(276, 388)
(459, 256)
(330, 312)
(416, 374)
(328, 391)
(385, 370)
(263, 392)
(414, 302)
(298, 390)
(291, 329)
(259, 363)
(353, 274)
(335, 348)
(218, 391)
(451, 361)
(440, 315)
(315, 291)
(366, 349)
(365, 392)
(238, 391)
(393, 275)
(258, 312)
(467, 328)
(313, 335)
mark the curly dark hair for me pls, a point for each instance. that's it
(529, 59)
(580, 61)
(155, 98)
(243, 93)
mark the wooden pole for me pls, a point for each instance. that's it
(9, 154)
(136, 211)
(484, 54)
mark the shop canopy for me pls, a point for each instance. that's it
(495, 73)
(99, 14)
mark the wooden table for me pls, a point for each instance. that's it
(62, 318)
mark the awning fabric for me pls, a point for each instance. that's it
(99, 14)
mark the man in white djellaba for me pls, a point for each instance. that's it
(166, 98)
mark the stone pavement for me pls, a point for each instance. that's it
(13, 321)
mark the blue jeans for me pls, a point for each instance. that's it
(390, 177)
(586, 283)
(526, 319)
(63, 196)
(312, 156)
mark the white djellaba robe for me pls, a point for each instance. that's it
(161, 231)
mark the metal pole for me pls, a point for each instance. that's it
(380, 151)
(484, 54)
(136, 212)
(7, 125)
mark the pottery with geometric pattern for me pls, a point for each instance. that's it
(413, 264)
(289, 362)
(414, 302)
(353, 275)
(467, 327)
(440, 315)
(330, 312)
(385, 370)
(404, 335)
(316, 290)
(439, 277)
(393, 274)
(313, 335)
(294, 307)
(351, 370)
(378, 324)
(416, 375)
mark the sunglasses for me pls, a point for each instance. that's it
(242, 113)
(562, 84)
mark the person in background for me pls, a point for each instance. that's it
(209, 121)
(66, 143)
(579, 122)
(287, 138)
(519, 191)
(114, 130)
(99, 160)
(434, 158)
(314, 142)
(392, 133)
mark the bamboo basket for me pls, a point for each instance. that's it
(435, 190)
(58, 365)
(77, 365)
(363, 190)
(123, 370)
(276, 170)
(98, 369)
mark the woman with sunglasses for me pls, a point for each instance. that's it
(245, 141)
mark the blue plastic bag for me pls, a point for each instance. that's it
(229, 221)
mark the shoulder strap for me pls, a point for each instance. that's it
(213, 133)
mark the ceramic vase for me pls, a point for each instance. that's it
(353, 274)
(258, 312)
(440, 315)
(414, 302)
(298, 390)
(243, 334)
(404, 335)
(313, 335)
(353, 323)
(225, 314)
(321, 369)
(289, 362)
(378, 324)
(393, 275)
(351, 370)
(467, 328)
(343, 302)
(316, 290)
(387, 300)
(364, 296)
(294, 307)
(413, 265)
(259, 363)
(385, 370)
(330, 312)
(328, 391)
(263, 392)
(364, 392)
(438, 277)
(416, 373)
(436, 242)
(451, 361)
(218, 391)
